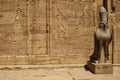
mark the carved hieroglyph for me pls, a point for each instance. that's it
(115, 23)
(38, 26)
(26, 25)
(13, 28)
(17, 33)
(70, 21)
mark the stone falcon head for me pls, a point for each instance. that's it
(103, 15)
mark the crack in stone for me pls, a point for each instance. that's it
(71, 75)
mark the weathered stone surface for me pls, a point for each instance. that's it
(102, 68)
(63, 29)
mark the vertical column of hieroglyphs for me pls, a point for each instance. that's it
(38, 27)
(115, 22)
(72, 26)
(12, 27)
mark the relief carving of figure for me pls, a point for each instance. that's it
(17, 28)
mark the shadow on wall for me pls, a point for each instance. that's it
(95, 54)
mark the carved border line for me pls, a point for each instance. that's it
(47, 27)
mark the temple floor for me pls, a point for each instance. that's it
(56, 74)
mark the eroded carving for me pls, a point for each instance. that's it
(69, 22)
(17, 33)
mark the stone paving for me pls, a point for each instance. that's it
(57, 74)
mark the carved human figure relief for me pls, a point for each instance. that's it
(17, 28)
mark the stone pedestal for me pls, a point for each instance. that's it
(100, 68)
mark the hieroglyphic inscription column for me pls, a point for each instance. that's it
(47, 26)
(39, 29)
(29, 36)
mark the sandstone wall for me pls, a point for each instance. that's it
(115, 22)
(51, 32)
